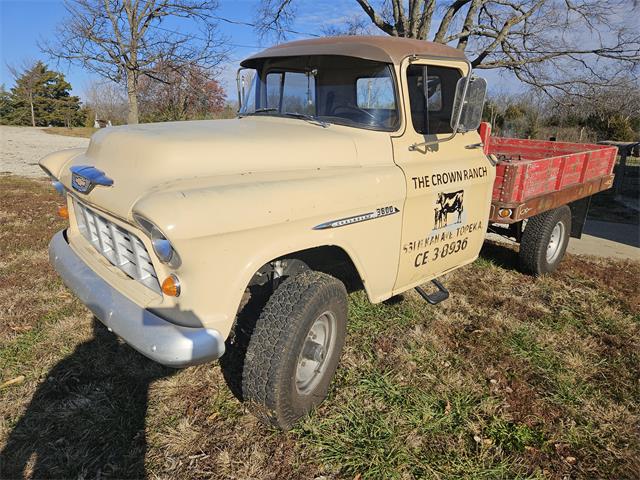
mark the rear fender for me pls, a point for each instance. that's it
(579, 210)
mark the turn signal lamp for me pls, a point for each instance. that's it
(63, 212)
(171, 286)
(505, 212)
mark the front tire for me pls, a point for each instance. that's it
(544, 241)
(295, 348)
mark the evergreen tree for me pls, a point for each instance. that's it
(5, 104)
(41, 97)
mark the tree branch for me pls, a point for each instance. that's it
(377, 20)
(447, 18)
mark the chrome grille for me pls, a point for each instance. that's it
(122, 248)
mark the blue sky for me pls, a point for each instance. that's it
(23, 22)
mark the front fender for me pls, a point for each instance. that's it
(54, 163)
(225, 229)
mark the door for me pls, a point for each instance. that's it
(449, 183)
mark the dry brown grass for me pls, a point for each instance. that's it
(84, 132)
(512, 377)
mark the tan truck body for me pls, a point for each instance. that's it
(233, 195)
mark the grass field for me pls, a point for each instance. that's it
(513, 377)
(85, 132)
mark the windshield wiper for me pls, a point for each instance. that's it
(265, 109)
(303, 116)
(309, 118)
(259, 110)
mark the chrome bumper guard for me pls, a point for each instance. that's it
(156, 338)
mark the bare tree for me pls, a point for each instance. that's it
(107, 100)
(350, 26)
(186, 96)
(124, 40)
(554, 45)
(612, 111)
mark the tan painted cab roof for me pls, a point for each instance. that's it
(379, 48)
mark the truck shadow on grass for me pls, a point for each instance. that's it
(500, 254)
(232, 362)
(87, 417)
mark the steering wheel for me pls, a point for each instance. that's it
(352, 108)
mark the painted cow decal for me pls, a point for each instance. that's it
(445, 204)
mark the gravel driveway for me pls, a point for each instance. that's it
(22, 147)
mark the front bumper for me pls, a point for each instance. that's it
(160, 340)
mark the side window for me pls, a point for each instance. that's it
(431, 93)
(434, 93)
(375, 93)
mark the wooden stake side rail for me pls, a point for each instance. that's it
(529, 168)
(536, 175)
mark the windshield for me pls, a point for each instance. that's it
(328, 88)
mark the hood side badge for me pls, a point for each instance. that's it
(85, 177)
(341, 222)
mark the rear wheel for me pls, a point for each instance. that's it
(544, 241)
(295, 348)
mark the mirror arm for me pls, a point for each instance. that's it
(238, 80)
(415, 146)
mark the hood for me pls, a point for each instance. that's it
(141, 159)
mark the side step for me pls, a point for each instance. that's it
(436, 297)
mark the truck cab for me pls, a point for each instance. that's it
(407, 97)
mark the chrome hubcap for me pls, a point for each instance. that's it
(555, 242)
(316, 349)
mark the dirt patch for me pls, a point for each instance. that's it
(27, 221)
(78, 132)
(623, 285)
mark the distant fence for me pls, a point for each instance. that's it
(629, 179)
(627, 170)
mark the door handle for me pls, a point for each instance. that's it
(481, 145)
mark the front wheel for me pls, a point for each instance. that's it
(295, 348)
(544, 241)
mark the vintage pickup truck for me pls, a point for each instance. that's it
(354, 162)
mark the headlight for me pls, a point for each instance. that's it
(58, 186)
(161, 246)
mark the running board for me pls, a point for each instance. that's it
(436, 297)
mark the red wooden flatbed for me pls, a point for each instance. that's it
(533, 176)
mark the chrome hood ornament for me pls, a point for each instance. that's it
(85, 177)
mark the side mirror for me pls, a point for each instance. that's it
(468, 105)
(244, 77)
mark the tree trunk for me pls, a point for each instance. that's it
(33, 114)
(132, 94)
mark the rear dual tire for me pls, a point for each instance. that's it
(544, 241)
